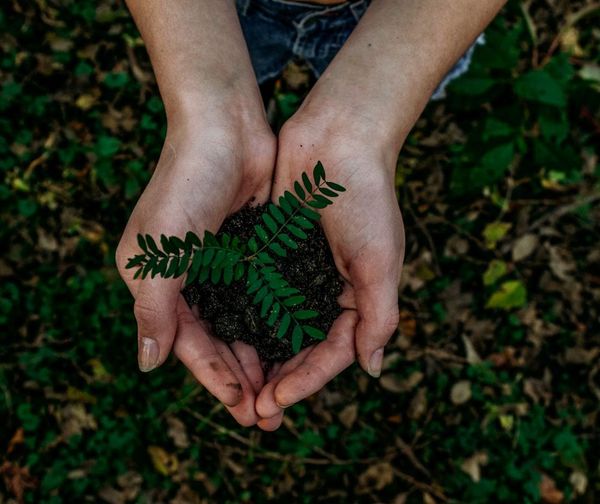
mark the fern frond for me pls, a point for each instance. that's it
(277, 301)
(200, 259)
(293, 215)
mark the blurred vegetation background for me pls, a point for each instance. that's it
(491, 386)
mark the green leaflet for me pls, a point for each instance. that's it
(313, 332)
(297, 337)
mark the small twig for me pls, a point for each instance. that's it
(425, 232)
(442, 220)
(262, 453)
(571, 20)
(420, 485)
(332, 458)
(564, 210)
(407, 450)
(532, 29)
(510, 186)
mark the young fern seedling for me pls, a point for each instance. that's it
(225, 258)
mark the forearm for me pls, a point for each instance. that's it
(199, 55)
(384, 75)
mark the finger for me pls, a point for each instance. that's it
(245, 359)
(273, 371)
(244, 412)
(262, 194)
(266, 407)
(271, 424)
(198, 353)
(327, 360)
(346, 299)
(377, 305)
(250, 363)
(155, 310)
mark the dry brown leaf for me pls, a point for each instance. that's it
(578, 355)
(548, 491)
(164, 462)
(472, 465)
(579, 481)
(418, 405)
(401, 498)
(186, 495)
(561, 263)
(131, 483)
(428, 499)
(59, 44)
(46, 241)
(17, 479)
(407, 326)
(348, 415)
(177, 432)
(17, 439)
(472, 355)
(393, 383)
(537, 390)
(112, 495)
(206, 481)
(461, 392)
(74, 419)
(524, 246)
(375, 477)
(456, 246)
(390, 360)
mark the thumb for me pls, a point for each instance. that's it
(377, 306)
(155, 312)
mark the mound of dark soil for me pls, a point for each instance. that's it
(230, 312)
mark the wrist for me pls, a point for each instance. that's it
(236, 117)
(216, 103)
(339, 129)
(358, 124)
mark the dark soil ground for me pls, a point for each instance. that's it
(230, 311)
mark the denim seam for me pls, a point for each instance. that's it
(242, 7)
(358, 9)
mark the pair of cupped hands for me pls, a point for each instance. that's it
(212, 165)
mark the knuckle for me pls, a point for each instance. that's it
(392, 320)
(146, 311)
(387, 323)
(186, 318)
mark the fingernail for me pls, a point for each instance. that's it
(375, 363)
(148, 354)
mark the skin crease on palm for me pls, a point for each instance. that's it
(220, 154)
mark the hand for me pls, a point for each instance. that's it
(206, 171)
(366, 235)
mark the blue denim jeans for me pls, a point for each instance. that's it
(278, 31)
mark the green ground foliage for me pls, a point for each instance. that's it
(491, 386)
